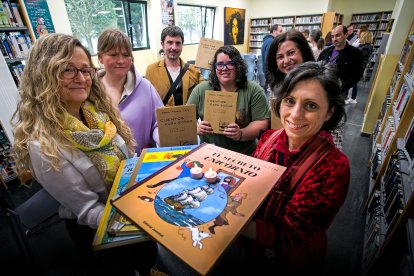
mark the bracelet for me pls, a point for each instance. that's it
(241, 135)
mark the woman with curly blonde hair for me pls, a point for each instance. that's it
(68, 134)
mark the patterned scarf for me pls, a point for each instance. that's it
(95, 138)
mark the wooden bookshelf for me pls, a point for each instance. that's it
(389, 233)
(259, 27)
(377, 23)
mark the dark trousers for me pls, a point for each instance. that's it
(354, 91)
(121, 260)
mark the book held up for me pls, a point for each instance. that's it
(195, 217)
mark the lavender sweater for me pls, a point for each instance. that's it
(138, 110)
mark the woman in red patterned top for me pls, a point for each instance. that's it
(289, 229)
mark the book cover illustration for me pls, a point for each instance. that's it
(197, 205)
(114, 229)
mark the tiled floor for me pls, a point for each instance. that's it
(54, 253)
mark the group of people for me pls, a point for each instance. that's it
(74, 124)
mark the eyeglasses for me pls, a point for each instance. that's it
(229, 65)
(71, 72)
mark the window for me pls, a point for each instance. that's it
(88, 18)
(193, 29)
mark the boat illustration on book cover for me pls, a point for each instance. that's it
(197, 205)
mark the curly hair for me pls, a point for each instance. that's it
(40, 113)
(241, 70)
(111, 39)
(327, 77)
(301, 43)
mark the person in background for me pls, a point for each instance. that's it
(228, 74)
(365, 45)
(289, 230)
(317, 42)
(134, 96)
(71, 138)
(347, 59)
(161, 53)
(351, 37)
(172, 72)
(361, 29)
(275, 30)
(328, 39)
(306, 33)
(286, 52)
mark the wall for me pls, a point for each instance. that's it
(268, 8)
(144, 57)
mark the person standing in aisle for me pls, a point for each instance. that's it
(351, 37)
(134, 96)
(275, 30)
(306, 33)
(365, 45)
(288, 234)
(72, 139)
(172, 77)
(347, 59)
(361, 29)
(317, 42)
(228, 74)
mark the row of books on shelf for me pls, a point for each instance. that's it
(393, 191)
(7, 167)
(374, 232)
(371, 17)
(257, 37)
(404, 53)
(259, 30)
(10, 15)
(309, 19)
(283, 21)
(257, 44)
(376, 161)
(15, 45)
(259, 22)
(387, 135)
(309, 27)
(401, 102)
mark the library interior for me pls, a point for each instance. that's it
(373, 232)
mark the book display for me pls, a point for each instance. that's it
(197, 205)
(15, 39)
(259, 27)
(389, 232)
(377, 23)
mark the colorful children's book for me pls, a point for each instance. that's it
(197, 205)
(114, 229)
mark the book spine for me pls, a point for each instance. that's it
(9, 13)
(16, 14)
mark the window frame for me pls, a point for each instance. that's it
(203, 31)
(129, 24)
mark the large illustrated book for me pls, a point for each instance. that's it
(194, 215)
(114, 229)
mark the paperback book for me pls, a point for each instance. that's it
(197, 205)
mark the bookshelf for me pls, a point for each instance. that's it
(259, 27)
(377, 23)
(15, 38)
(389, 232)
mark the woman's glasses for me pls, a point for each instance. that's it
(71, 72)
(229, 65)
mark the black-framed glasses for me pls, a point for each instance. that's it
(71, 72)
(229, 65)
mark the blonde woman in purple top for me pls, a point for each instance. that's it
(135, 96)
